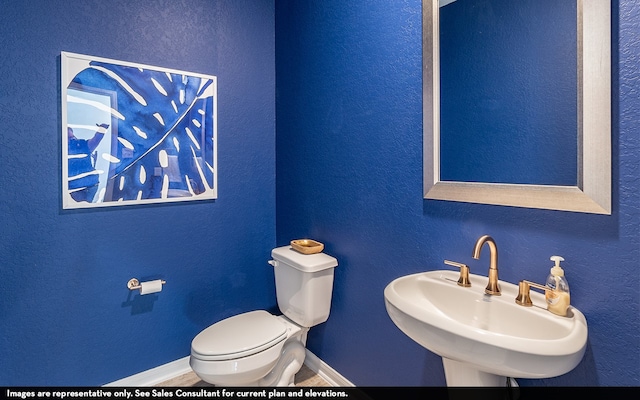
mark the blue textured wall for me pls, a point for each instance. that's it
(349, 173)
(66, 315)
(349, 168)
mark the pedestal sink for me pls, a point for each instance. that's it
(485, 339)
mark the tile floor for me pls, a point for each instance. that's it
(305, 377)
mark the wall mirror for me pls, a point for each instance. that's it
(517, 107)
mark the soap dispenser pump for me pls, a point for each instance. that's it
(558, 298)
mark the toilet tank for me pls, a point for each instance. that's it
(304, 284)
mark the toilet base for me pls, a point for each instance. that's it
(287, 366)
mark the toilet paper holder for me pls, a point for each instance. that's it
(134, 284)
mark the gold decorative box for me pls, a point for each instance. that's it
(307, 246)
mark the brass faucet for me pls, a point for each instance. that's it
(524, 292)
(492, 287)
(464, 273)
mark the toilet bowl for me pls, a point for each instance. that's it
(244, 349)
(257, 348)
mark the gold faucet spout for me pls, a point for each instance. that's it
(492, 287)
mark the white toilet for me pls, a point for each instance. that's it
(260, 349)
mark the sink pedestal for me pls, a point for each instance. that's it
(462, 374)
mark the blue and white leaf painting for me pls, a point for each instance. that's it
(136, 134)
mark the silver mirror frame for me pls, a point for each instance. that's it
(592, 194)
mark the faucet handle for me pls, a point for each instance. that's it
(464, 273)
(524, 292)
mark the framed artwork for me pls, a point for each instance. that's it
(136, 134)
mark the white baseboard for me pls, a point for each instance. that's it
(154, 376)
(325, 371)
(181, 366)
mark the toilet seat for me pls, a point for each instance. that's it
(239, 336)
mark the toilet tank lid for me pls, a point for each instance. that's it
(303, 262)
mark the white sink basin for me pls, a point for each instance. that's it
(482, 335)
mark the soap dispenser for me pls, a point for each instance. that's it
(558, 294)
